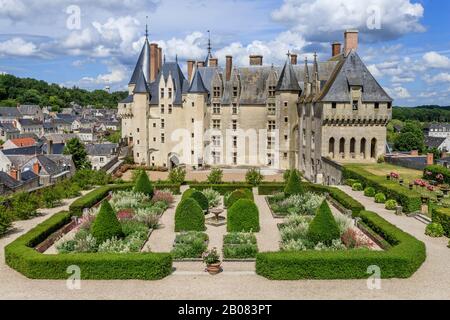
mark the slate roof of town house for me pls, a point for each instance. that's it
(8, 181)
(8, 127)
(439, 127)
(434, 142)
(30, 110)
(30, 122)
(101, 149)
(9, 112)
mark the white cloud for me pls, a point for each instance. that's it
(12, 9)
(320, 20)
(18, 47)
(436, 60)
(402, 79)
(398, 93)
(440, 77)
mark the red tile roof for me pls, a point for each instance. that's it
(24, 142)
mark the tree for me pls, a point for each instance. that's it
(436, 152)
(216, 176)
(106, 226)
(411, 137)
(77, 149)
(294, 185)
(323, 229)
(143, 185)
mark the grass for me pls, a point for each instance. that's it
(383, 169)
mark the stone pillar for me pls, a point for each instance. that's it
(368, 148)
(347, 149)
(358, 149)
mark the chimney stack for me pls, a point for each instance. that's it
(430, 159)
(336, 49)
(229, 67)
(36, 168)
(213, 62)
(351, 41)
(256, 60)
(14, 173)
(50, 147)
(160, 58)
(154, 61)
(190, 65)
(294, 59)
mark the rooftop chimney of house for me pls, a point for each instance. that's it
(229, 67)
(430, 159)
(36, 168)
(190, 66)
(336, 49)
(213, 62)
(160, 59)
(154, 61)
(50, 147)
(14, 173)
(351, 41)
(256, 60)
(294, 59)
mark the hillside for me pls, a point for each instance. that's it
(429, 113)
(14, 90)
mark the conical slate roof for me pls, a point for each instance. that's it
(141, 84)
(288, 80)
(143, 64)
(197, 85)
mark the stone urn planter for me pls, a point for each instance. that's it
(214, 268)
(212, 260)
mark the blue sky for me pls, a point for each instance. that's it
(407, 49)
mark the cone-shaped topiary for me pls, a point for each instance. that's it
(235, 196)
(243, 216)
(323, 228)
(189, 216)
(294, 185)
(106, 225)
(188, 193)
(201, 200)
(143, 185)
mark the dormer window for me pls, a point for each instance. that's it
(217, 92)
(272, 91)
(162, 93)
(170, 93)
(355, 105)
(235, 92)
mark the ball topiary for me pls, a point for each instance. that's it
(201, 200)
(323, 229)
(391, 204)
(435, 230)
(294, 185)
(189, 216)
(106, 225)
(235, 196)
(380, 198)
(357, 187)
(370, 192)
(143, 185)
(243, 216)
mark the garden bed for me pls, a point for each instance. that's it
(240, 247)
(190, 246)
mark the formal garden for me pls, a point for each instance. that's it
(116, 231)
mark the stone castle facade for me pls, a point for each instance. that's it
(309, 116)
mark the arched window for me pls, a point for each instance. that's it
(342, 147)
(331, 147)
(373, 149)
(363, 148)
(353, 147)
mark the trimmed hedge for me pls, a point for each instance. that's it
(106, 225)
(189, 216)
(323, 228)
(442, 216)
(401, 261)
(294, 184)
(436, 170)
(408, 199)
(270, 189)
(201, 200)
(243, 216)
(21, 256)
(223, 189)
(144, 185)
(237, 195)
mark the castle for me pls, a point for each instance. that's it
(310, 116)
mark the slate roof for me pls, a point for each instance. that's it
(30, 110)
(142, 65)
(8, 127)
(197, 85)
(8, 181)
(58, 148)
(181, 85)
(30, 122)
(28, 175)
(433, 142)
(353, 72)
(128, 99)
(9, 112)
(440, 127)
(104, 149)
(141, 84)
(49, 165)
(24, 151)
(288, 80)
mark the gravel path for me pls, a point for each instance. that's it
(432, 281)
(269, 237)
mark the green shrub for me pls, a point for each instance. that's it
(287, 175)
(434, 230)
(380, 198)
(435, 171)
(410, 200)
(190, 245)
(323, 229)
(177, 175)
(357, 187)
(241, 251)
(254, 177)
(370, 192)
(201, 200)
(243, 216)
(442, 216)
(5, 221)
(189, 216)
(270, 189)
(143, 185)
(402, 260)
(294, 185)
(188, 193)
(21, 256)
(235, 196)
(216, 176)
(350, 182)
(106, 225)
(223, 189)
(391, 205)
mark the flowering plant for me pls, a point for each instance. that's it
(125, 214)
(430, 188)
(395, 175)
(420, 183)
(211, 257)
(440, 177)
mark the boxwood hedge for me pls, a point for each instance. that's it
(221, 188)
(408, 199)
(442, 216)
(401, 261)
(21, 256)
(243, 216)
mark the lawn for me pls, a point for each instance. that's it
(383, 169)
